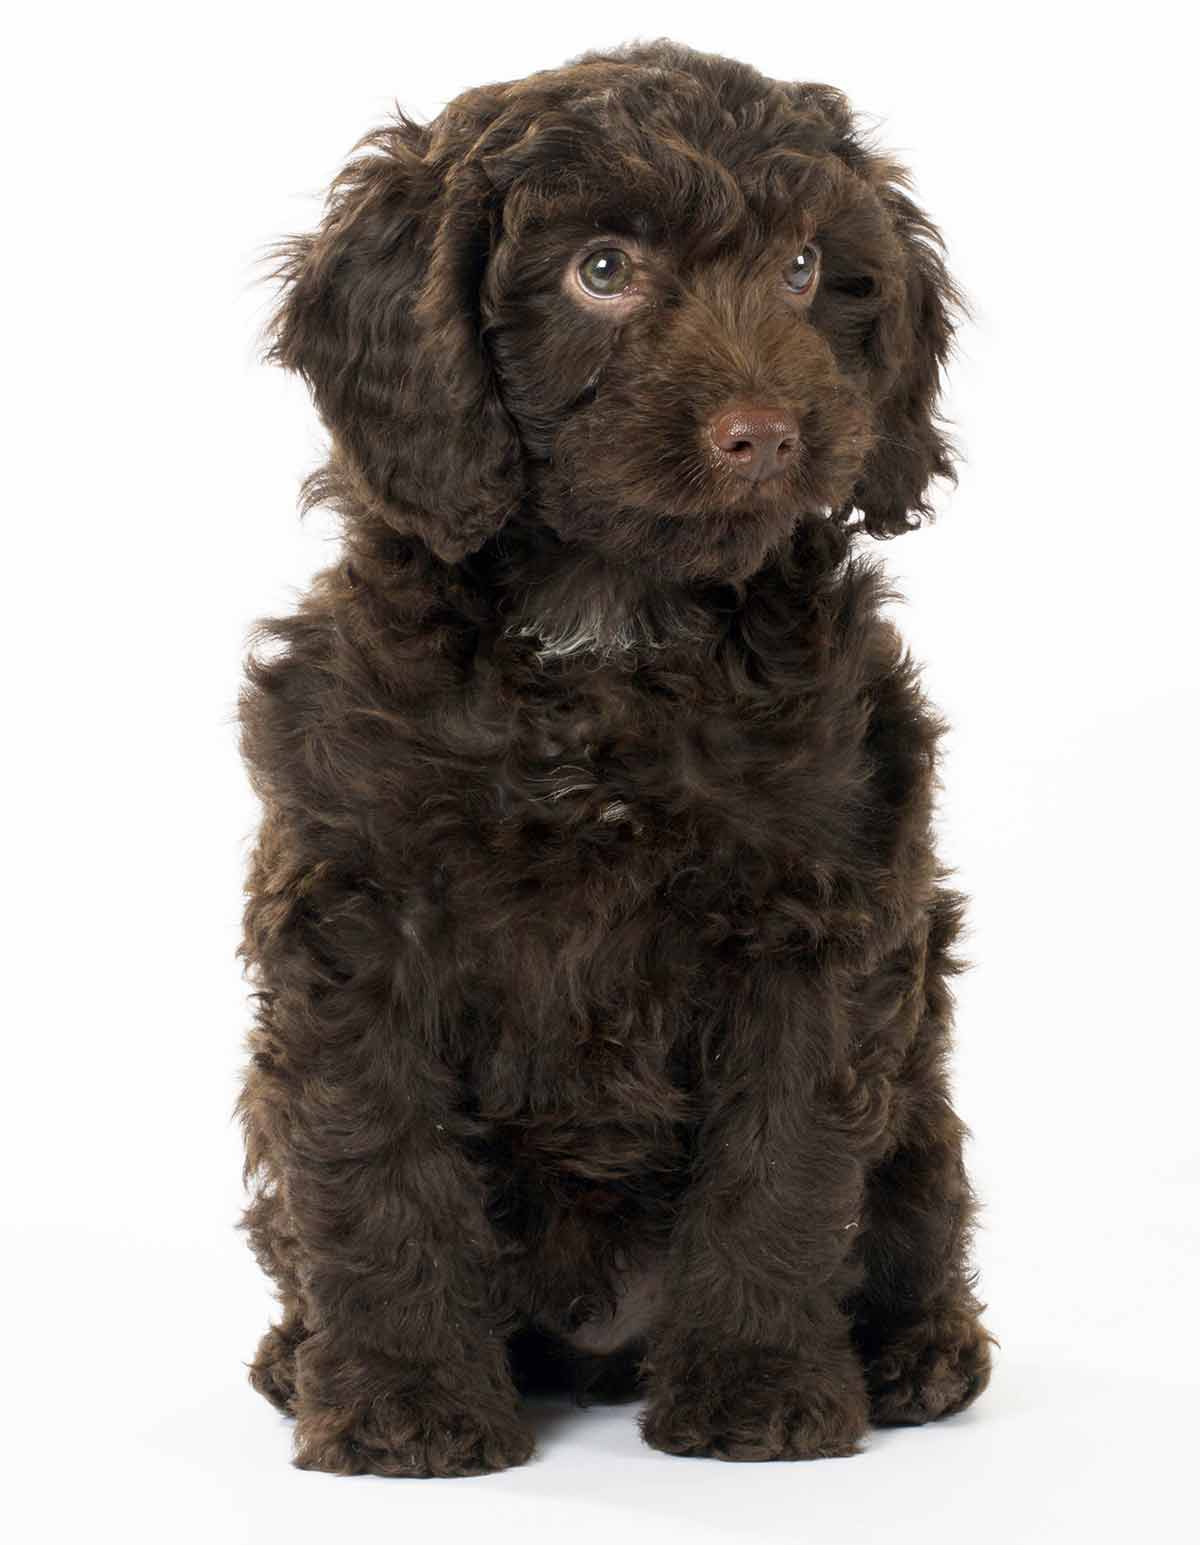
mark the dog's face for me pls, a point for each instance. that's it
(661, 303)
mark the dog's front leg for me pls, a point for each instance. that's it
(377, 1220)
(404, 1371)
(752, 1357)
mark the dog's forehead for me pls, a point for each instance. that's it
(735, 117)
(651, 146)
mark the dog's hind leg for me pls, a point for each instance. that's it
(916, 1320)
(916, 1317)
(273, 1371)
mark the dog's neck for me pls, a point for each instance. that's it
(576, 602)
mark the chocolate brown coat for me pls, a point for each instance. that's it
(600, 950)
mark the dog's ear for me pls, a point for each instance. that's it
(909, 350)
(380, 314)
(911, 339)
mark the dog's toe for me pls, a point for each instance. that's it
(929, 1370)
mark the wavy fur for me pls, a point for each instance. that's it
(600, 950)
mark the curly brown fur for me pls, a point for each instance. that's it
(600, 948)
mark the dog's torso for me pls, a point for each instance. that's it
(591, 855)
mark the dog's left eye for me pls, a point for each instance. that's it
(607, 272)
(801, 272)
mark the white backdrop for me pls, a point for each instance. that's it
(150, 153)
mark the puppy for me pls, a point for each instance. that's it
(600, 950)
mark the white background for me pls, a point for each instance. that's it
(150, 483)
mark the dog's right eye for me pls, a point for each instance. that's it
(606, 272)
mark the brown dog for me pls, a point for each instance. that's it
(600, 951)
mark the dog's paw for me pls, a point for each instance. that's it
(931, 1369)
(393, 1437)
(746, 1404)
(273, 1371)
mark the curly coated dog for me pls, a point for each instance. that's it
(600, 950)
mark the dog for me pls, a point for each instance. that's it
(600, 953)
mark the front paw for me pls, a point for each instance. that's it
(401, 1437)
(744, 1403)
(931, 1369)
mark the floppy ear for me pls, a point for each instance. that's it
(380, 315)
(912, 343)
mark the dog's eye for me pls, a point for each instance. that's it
(607, 272)
(801, 271)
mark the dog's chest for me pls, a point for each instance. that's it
(628, 828)
(611, 756)
(637, 837)
(575, 761)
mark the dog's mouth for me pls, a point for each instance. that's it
(720, 496)
(657, 533)
(745, 495)
(702, 496)
(624, 483)
(685, 478)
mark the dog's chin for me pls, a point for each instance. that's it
(717, 546)
(724, 537)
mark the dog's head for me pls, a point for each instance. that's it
(662, 303)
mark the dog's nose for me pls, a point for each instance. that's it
(756, 443)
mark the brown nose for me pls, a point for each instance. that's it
(756, 443)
